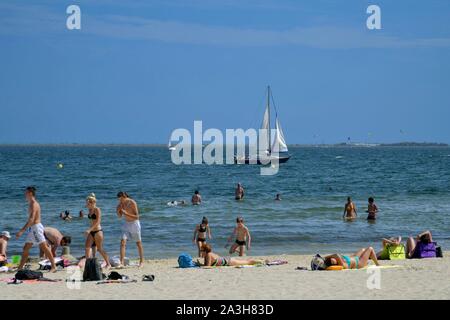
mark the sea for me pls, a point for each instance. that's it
(411, 187)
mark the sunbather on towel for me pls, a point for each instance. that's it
(214, 260)
(355, 261)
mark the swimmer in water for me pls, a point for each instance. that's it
(278, 197)
(200, 232)
(196, 198)
(372, 209)
(242, 236)
(239, 192)
(349, 210)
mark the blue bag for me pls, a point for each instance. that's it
(186, 261)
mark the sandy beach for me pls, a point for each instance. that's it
(409, 279)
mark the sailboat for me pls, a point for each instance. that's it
(170, 147)
(276, 148)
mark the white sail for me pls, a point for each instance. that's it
(264, 139)
(279, 143)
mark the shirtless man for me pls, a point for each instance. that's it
(349, 210)
(196, 198)
(131, 229)
(239, 192)
(4, 238)
(55, 239)
(35, 230)
(242, 236)
(372, 209)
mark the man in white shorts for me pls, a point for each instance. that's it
(131, 229)
(35, 230)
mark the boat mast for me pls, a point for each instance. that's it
(268, 108)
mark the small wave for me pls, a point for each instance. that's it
(339, 157)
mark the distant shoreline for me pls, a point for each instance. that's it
(295, 145)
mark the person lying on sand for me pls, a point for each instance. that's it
(393, 241)
(200, 232)
(355, 261)
(35, 230)
(411, 245)
(242, 236)
(4, 238)
(214, 260)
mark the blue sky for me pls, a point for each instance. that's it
(139, 69)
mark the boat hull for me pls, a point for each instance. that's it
(259, 160)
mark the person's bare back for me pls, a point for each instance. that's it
(3, 247)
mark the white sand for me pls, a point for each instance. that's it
(413, 279)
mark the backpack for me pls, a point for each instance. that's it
(425, 250)
(185, 261)
(396, 252)
(28, 275)
(92, 270)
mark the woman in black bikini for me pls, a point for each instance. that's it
(94, 235)
(200, 235)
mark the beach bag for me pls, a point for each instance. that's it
(396, 252)
(28, 275)
(186, 261)
(439, 253)
(92, 270)
(425, 250)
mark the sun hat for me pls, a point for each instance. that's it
(5, 234)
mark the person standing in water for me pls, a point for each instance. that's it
(239, 192)
(131, 229)
(35, 230)
(200, 232)
(94, 235)
(196, 198)
(372, 209)
(242, 236)
(349, 210)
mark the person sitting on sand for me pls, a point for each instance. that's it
(350, 210)
(196, 198)
(200, 234)
(278, 197)
(372, 209)
(4, 238)
(35, 230)
(242, 236)
(239, 192)
(411, 245)
(355, 261)
(55, 239)
(131, 227)
(94, 235)
(214, 260)
(393, 241)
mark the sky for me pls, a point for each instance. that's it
(136, 70)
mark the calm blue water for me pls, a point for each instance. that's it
(411, 187)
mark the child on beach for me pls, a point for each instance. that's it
(200, 234)
(35, 230)
(372, 209)
(242, 236)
